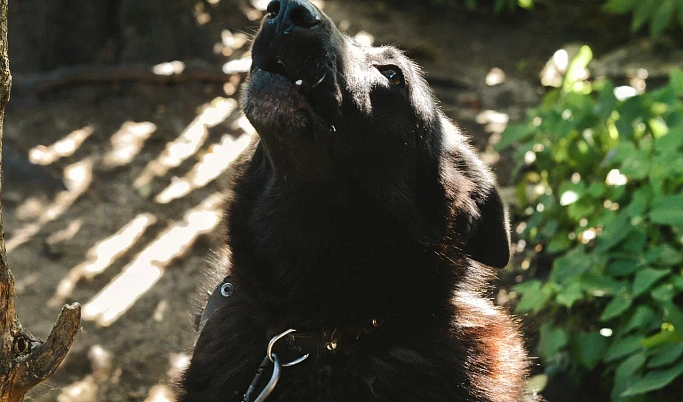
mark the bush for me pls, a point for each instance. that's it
(658, 13)
(600, 181)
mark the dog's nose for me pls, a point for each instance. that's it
(290, 14)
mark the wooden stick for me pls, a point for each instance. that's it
(25, 360)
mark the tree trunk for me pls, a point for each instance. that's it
(25, 360)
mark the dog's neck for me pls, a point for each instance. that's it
(334, 254)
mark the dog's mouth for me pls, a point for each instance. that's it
(301, 82)
(293, 80)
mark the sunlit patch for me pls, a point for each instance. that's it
(553, 74)
(211, 165)
(178, 363)
(102, 255)
(624, 92)
(495, 122)
(100, 362)
(243, 124)
(31, 208)
(230, 86)
(606, 332)
(237, 66)
(160, 393)
(260, 4)
(615, 178)
(561, 60)
(520, 246)
(79, 391)
(495, 76)
(189, 141)
(230, 42)
(529, 157)
(344, 25)
(148, 266)
(169, 68)
(200, 14)
(65, 234)
(364, 38)
(160, 311)
(637, 80)
(568, 197)
(42, 155)
(127, 142)
(78, 177)
(587, 235)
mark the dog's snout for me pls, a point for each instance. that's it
(290, 14)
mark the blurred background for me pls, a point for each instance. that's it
(124, 113)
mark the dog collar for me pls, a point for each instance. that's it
(314, 343)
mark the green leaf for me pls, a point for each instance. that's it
(589, 348)
(677, 281)
(654, 380)
(621, 268)
(665, 255)
(514, 133)
(534, 296)
(663, 293)
(642, 14)
(619, 6)
(645, 278)
(559, 244)
(661, 338)
(551, 341)
(617, 306)
(570, 266)
(667, 210)
(676, 80)
(674, 315)
(623, 347)
(666, 355)
(600, 285)
(614, 232)
(643, 318)
(662, 17)
(569, 295)
(525, 4)
(625, 373)
(576, 67)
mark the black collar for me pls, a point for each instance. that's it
(324, 341)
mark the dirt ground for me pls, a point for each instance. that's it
(118, 204)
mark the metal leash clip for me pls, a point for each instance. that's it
(271, 358)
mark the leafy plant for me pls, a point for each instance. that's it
(658, 13)
(600, 180)
(498, 5)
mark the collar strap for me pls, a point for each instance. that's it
(316, 343)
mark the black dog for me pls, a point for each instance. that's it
(363, 220)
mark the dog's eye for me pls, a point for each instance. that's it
(393, 74)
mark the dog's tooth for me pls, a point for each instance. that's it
(299, 82)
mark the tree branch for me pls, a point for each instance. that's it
(25, 360)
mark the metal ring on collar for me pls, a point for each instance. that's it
(277, 338)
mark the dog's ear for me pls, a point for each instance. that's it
(489, 239)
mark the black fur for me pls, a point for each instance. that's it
(359, 201)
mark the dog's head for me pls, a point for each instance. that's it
(329, 109)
